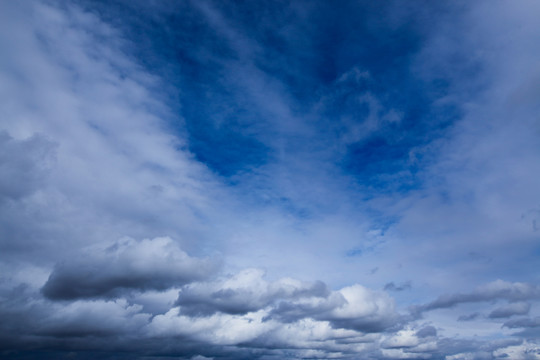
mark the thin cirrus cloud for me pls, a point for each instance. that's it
(206, 180)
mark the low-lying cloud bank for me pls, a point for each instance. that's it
(96, 301)
(99, 301)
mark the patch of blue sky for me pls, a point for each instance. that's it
(193, 57)
(226, 152)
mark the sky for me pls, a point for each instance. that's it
(298, 179)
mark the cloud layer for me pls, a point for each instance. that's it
(304, 180)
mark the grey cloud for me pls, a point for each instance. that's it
(364, 310)
(93, 319)
(469, 317)
(426, 331)
(461, 349)
(291, 311)
(368, 324)
(523, 323)
(150, 264)
(409, 343)
(23, 164)
(496, 290)
(517, 308)
(30, 321)
(391, 286)
(244, 292)
(289, 300)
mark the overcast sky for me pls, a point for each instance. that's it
(269, 179)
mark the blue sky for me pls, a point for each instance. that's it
(269, 180)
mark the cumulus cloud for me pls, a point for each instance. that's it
(288, 300)
(354, 307)
(93, 318)
(77, 323)
(526, 350)
(150, 264)
(304, 336)
(244, 292)
(364, 310)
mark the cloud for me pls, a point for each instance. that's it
(244, 292)
(150, 264)
(523, 323)
(24, 164)
(252, 331)
(517, 308)
(279, 136)
(288, 300)
(93, 319)
(526, 350)
(82, 324)
(354, 307)
(469, 317)
(393, 287)
(496, 290)
(426, 331)
(90, 154)
(364, 310)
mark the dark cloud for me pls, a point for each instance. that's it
(472, 349)
(523, 323)
(156, 264)
(426, 331)
(469, 317)
(497, 290)
(291, 311)
(92, 319)
(518, 308)
(391, 286)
